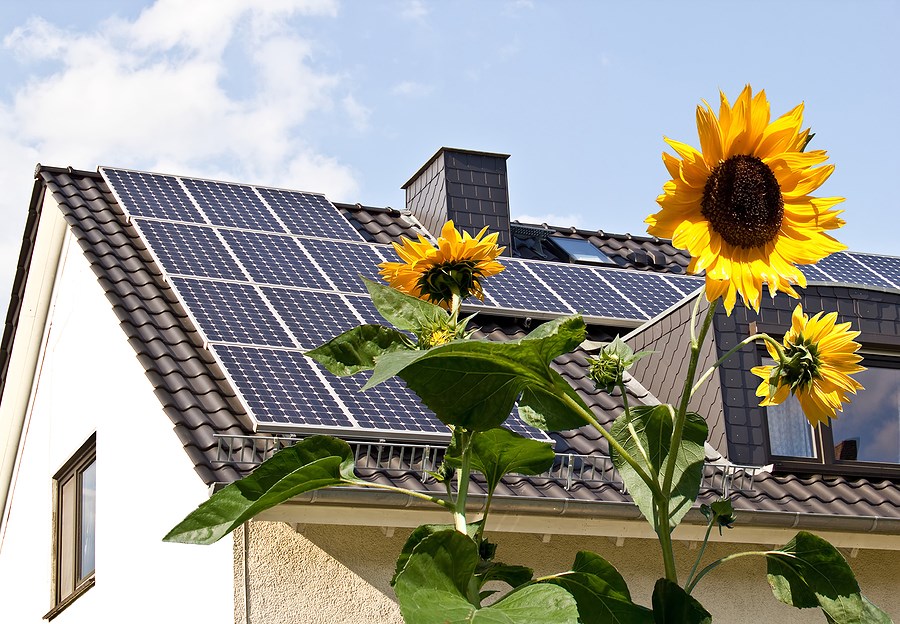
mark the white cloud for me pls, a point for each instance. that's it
(152, 94)
(414, 10)
(411, 88)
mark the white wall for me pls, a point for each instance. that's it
(90, 380)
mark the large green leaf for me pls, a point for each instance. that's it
(673, 605)
(357, 349)
(601, 592)
(311, 464)
(809, 572)
(404, 311)
(474, 383)
(543, 408)
(650, 445)
(420, 533)
(498, 451)
(436, 586)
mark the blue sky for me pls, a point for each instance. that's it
(351, 97)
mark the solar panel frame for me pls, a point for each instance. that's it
(152, 195)
(343, 263)
(586, 290)
(292, 268)
(651, 293)
(308, 214)
(232, 205)
(312, 317)
(184, 249)
(516, 288)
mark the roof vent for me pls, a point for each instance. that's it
(466, 186)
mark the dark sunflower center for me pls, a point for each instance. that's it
(742, 202)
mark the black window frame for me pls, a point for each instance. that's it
(823, 439)
(74, 468)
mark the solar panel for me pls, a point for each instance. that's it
(309, 214)
(276, 260)
(389, 406)
(229, 312)
(313, 318)
(886, 266)
(516, 287)
(686, 284)
(343, 263)
(151, 195)
(814, 273)
(586, 291)
(845, 269)
(232, 205)
(281, 387)
(189, 250)
(650, 292)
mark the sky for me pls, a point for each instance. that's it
(350, 97)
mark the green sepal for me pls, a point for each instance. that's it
(673, 605)
(357, 349)
(311, 464)
(653, 426)
(809, 572)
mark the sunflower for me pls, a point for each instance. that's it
(456, 266)
(742, 207)
(819, 357)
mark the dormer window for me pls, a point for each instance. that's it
(580, 250)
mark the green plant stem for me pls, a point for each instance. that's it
(462, 483)
(709, 526)
(715, 564)
(391, 488)
(588, 417)
(631, 430)
(664, 531)
(732, 351)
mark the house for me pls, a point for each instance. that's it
(153, 352)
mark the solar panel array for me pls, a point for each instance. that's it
(267, 273)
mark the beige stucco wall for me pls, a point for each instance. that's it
(339, 575)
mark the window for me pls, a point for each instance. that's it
(866, 433)
(75, 488)
(580, 250)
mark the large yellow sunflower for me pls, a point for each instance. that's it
(820, 355)
(457, 265)
(742, 207)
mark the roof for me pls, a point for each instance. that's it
(202, 404)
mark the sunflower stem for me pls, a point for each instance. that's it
(462, 484)
(731, 352)
(712, 519)
(715, 564)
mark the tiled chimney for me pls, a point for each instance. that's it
(466, 186)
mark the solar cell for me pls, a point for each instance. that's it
(229, 312)
(517, 288)
(649, 291)
(814, 273)
(343, 263)
(281, 387)
(586, 291)
(232, 205)
(276, 260)
(886, 266)
(151, 195)
(845, 269)
(189, 250)
(685, 284)
(389, 406)
(313, 318)
(309, 214)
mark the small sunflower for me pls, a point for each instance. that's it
(457, 265)
(820, 355)
(742, 207)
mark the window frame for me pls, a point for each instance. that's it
(74, 468)
(823, 438)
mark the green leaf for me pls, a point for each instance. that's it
(436, 581)
(419, 534)
(672, 605)
(357, 349)
(404, 311)
(809, 572)
(311, 464)
(473, 384)
(601, 592)
(512, 575)
(542, 408)
(653, 427)
(498, 451)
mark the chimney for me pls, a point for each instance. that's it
(466, 186)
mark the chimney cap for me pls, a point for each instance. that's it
(450, 149)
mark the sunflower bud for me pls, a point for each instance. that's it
(608, 368)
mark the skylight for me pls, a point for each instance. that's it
(580, 250)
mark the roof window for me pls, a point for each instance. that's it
(580, 250)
